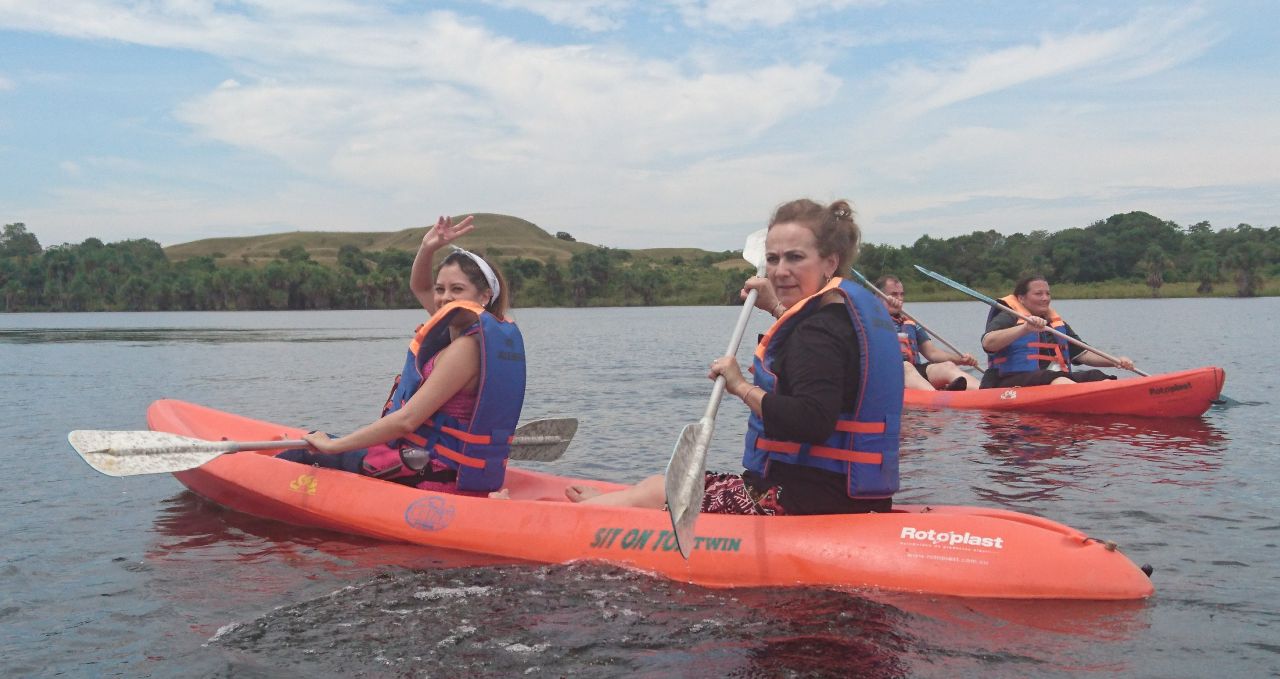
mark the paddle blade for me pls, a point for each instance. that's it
(543, 440)
(686, 482)
(754, 249)
(128, 453)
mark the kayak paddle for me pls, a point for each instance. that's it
(915, 320)
(981, 297)
(687, 470)
(129, 453)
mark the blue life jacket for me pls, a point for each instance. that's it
(479, 449)
(864, 445)
(908, 338)
(1025, 353)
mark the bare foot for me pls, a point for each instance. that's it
(581, 493)
(503, 494)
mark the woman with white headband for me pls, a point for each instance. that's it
(447, 424)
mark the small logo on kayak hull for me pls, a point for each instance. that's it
(305, 484)
(429, 513)
(1170, 389)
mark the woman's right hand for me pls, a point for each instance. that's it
(321, 443)
(445, 232)
(766, 298)
(1034, 324)
(727, 366)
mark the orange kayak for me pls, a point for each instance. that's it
(1188, 393)
(959, 551)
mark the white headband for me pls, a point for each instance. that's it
(485, 269)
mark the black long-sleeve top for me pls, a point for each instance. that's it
(819, 368)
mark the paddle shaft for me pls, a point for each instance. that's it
(717, 392)
(979, 296)
(237, 446)
(915, 320)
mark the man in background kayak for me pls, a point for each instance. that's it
(925, 365)
(1022, 354)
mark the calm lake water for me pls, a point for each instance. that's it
(137, 577)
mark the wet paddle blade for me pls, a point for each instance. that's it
(130, 453)
(686, 482)
(543, 440)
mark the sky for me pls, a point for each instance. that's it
(633, 123)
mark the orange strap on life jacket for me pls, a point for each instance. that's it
(465, 460)
(793, 448)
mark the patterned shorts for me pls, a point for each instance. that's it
(730, 494)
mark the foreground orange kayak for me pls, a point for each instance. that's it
(1188, 393)
(959, 551)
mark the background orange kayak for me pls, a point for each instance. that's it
(1188, 393)
(960, 551)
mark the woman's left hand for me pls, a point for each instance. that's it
(727, 366)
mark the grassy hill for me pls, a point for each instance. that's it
(499, 236)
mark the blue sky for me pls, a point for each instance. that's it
(643, 123)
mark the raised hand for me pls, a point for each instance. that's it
(445, 232)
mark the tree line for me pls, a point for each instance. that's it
(1126, 248)
(136, 275)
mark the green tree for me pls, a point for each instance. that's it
(1204, 268)
(295, 253)
(1155, 263)
(1245, 261)
(16, 241)
(644, 281)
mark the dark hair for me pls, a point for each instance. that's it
(499, 305)
(833, 227)
(1024, 283)
(883, 280)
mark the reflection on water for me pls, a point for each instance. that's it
(1037, 456)
(1033, 436)
(1027, 459)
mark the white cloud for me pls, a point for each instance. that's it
(353, 117)
(486, 104)
(6, 84)
(589, 15)
(740, 14)
(1149, 44)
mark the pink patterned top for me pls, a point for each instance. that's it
(459, 406)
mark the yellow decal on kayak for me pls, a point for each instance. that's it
(654, 541)
(304, 484)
